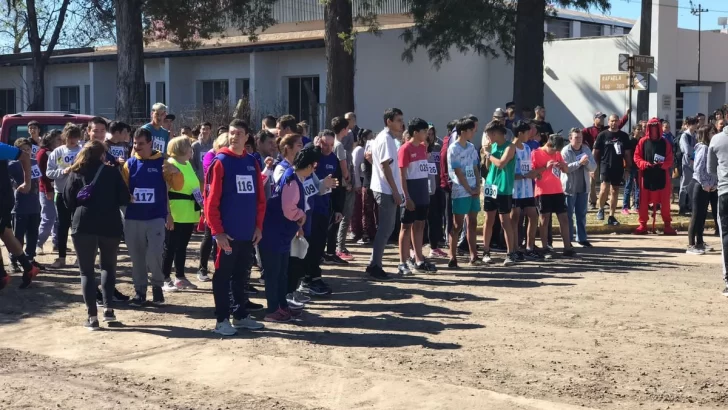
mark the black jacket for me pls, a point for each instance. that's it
(100, 214)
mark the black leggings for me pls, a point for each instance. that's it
(108, 247)
(700, 200)
(175, 249)
(208, 247)
(64, 225)
(434, 219)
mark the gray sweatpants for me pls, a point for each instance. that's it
(346, 221)
(387, 214)
(145, 242)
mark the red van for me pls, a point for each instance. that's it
(15, 126)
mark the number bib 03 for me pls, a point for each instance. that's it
(144, 195)
(245, 184)
(490, 191)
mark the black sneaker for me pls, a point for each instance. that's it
(37, 265)
(509, 260)
(586, 244)
(157, 295)
(253, 307)
(138, 300)
(612, 221)
(250, 290)
(317, 287)
(425, 267)
(99, 298)
(519, 256)
(120, 297)
(335, 260)
(453, 264)
(16, 267)
(377, 273)
(569, 253)
(109, 316)
(533, 255)
(91, 323)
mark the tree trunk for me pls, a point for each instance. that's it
(130, 87)
(38, 97)
(643, 97)
(339, 62)
(528, 65)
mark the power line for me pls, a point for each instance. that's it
(675, 7)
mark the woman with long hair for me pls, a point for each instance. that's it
(93, 194)
(48, 216)
(289, 146)
(703, 191)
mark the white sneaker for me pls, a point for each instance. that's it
(202, 276)
(39, 251)
(58, 263)
(225, 329)
(184, 284)
(169, 287)
(247, 323)
(695, 250)
(293, 304)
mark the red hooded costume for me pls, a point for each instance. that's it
(653, 157)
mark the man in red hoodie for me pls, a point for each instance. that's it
(653, 157)
(234, 211)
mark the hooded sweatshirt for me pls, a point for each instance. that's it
(60, 159)
(148, 182)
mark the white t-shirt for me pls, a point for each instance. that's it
(463, 158)
(384, 150)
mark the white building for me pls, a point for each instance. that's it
(285, 71)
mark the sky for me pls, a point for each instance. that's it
(716, 8)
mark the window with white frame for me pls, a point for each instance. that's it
(214, 92)
(69, 99)
(559, 28)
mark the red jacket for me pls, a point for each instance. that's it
(444, 175)
(590, 133)
(212, 198)
(46, 184)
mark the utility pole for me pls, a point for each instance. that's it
(698, 12)
(643, 97)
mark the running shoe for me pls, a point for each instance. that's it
(247, 323)
(279, 316)
(202, 275)
(157, 296)
(183, 283)
(533, 255)
(612, 221)
(364, 241)
(317, 287)
(509, 260)
(293, 312)
(169, 286)
(138, 300)
(694, 250)
(475, 262)
(58, 263)
(404, 270)
(293, 304)
(335, 260)
(253, 307)
(548, 254)
(37, 265)
(377, 274)
(300, 297)
(486, 258)
(28, 277)
(16, 267)
(425, 267)
(705, 247)
(519, 256)
(109, 316)
(625, 211)
(250, 290)
(91, 324)
(438, 253)
(120, 297)
(344, 254)
(569, 253)
(224, 328)
(586, 244)
(452, 264)
(600, 215)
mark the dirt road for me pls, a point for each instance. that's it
(634, 323)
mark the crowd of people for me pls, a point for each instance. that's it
(288, 203)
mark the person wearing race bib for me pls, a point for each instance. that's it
(464, 171)
(34, 136)
(289, 146)
(185, 204)
(160, 135)
(147, 177)
(576, 184)
(59, 164)
(524, 204)
(550, 199)
(26, 213)
(51, 140)
(200, 148)
(437, 197)
(118, 145)
(415, 172)
(654, 158)
(498, 156)
(285, 216)
(234, 211)
(369, 227)
(612, 151)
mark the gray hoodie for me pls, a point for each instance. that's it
(60, 159)
(718, 159)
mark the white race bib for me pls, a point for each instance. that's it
(618, 148)
(245, 184)
(309, 189)
(144, 195)
(432, 168)
(525, 167)
(659, 158)
(490, 191)
(470, 175)
(117, 152)
(198, 196)
(34, 149)
(435, 157)
(68, 160)
(158, 144)
(556, 172)
(35, 172)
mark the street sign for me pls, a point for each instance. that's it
(613, 82)
(623, 62)
(644, 64)
(640, 82)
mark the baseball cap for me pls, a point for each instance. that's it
(599, 114)
(499, 113)
(171, 117)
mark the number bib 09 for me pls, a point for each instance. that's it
(144, 195)
(490, 191)
(35, 172)
(244, 184)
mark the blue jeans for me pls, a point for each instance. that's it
(577, 204)
(49, 220)
(631, 187)
(276, 278)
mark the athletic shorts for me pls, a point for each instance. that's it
(524, 203)
(464, 206)
(551, 204)
(614, 177)
(419, 214)
(501, 203)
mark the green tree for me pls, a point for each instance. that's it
(183, 22)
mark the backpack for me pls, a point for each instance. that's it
(87, 191)
(677, 151)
